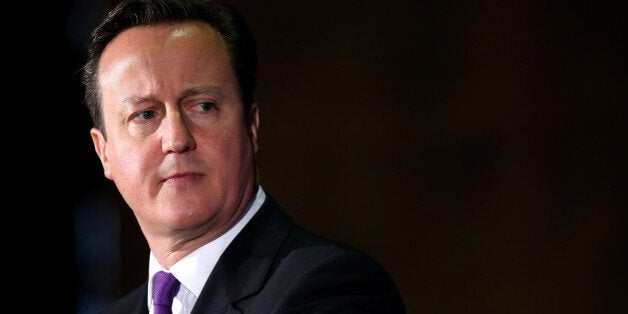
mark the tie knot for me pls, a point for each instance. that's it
(165, 287)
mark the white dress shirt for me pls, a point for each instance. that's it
(193, 270)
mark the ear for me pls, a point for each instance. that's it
(252, 122)
(100, 145)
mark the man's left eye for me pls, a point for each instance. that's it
(205, 106)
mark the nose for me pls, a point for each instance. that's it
(176, 136)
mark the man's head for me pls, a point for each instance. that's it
(133, 13)
(181, 138)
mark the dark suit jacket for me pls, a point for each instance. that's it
(275, 266)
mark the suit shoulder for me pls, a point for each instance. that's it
(313, 252)
(319, 273)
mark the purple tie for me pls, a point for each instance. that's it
(165, 287)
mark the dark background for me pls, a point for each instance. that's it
(475, 148)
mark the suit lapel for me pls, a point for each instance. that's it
(243, 267)
(133, 303)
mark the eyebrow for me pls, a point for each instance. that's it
(214, 90)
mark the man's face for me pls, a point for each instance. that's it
(179, 147)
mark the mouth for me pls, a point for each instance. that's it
(183, 177)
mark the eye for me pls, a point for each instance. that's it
(145, 115)
(205, 106)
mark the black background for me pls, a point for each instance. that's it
(475, 148)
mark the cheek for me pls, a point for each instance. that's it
(232, 152)
(129, 164)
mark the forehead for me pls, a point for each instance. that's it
(165, 57)
(171, 42)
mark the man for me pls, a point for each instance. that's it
(170, 87)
